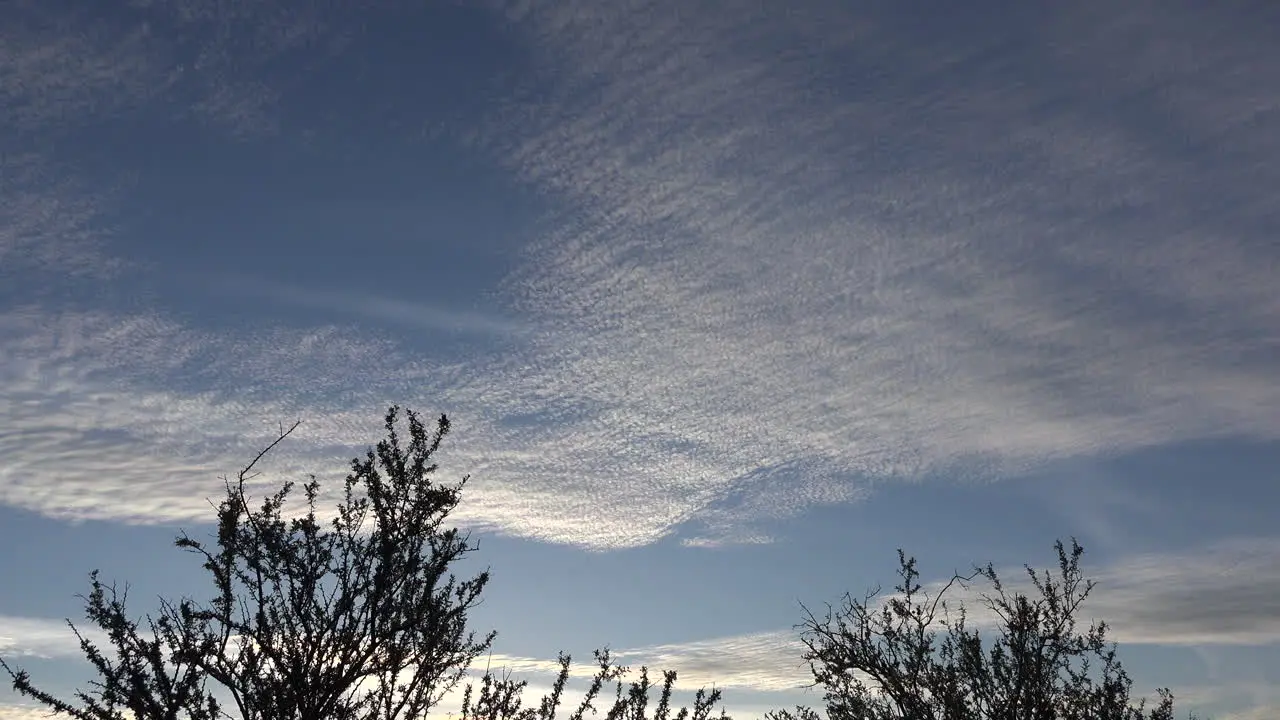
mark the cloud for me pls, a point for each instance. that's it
(49, 221)
(413, 315)
(1224, 594)
(134, 418)
(63, 71)
(23, 712)
(51, 79)
(41, 637)
(736, 701)
(800, 252)
(836, 239)
(764, 662)
(58, 69)
(1231, 699)
(761, 662)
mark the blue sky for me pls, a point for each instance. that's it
(727, 301)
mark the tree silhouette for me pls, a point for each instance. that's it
(499, 698)
(356, 618)
(914, 657)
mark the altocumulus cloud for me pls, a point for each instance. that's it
(849, 242)
(22, 712)
(131, 418)
(828, 245)
(62, 70)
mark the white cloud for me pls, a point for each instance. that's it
(765, 662)
(801, 251)
(1230, 699)
(759, 662)
(62, 72)
(41, 637)
(385, 310)
(928, 273)
(49, 222)
(132, 418)
(1227, 593)
(55, 73)
(23, 712)
(95, 429)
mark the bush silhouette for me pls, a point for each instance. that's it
(914, 656)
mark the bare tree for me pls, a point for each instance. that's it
(913, 657)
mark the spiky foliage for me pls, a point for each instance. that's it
(501, 698)
(913, 657)
(356, 618)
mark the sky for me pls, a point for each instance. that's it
(726, 301)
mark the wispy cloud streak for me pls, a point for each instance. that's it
(41, 637)
(385, 310)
